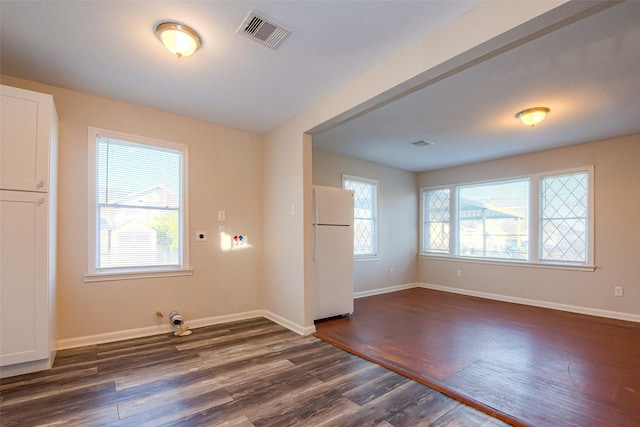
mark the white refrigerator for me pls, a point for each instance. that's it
(332, 252)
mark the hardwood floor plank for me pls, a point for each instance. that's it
(375, 388)
(233, 338)
(423, 407)
(88, 404)
(18, 391)
(499, 356)
(332, 415)
(246, 373)
(263, 387)
(171, 405)
(241, 421)
(526, 401)
(463, 415)
(143, 375)
(305, 352)
(329, 413)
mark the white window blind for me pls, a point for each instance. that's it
(139, 205)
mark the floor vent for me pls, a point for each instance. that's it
(262, 30)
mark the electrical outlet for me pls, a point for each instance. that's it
(618, 291)
(459, 273)
(391, 272)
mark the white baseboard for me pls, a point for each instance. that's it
(196, 323)
(304, 331)
(217, 320)
(536, 303)
(111, 337)
(298, 329)
(380, 291)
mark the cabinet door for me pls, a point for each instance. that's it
(25, 134)
(23, 277)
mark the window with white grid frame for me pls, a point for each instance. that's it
(564, 208)
(365, 224)
(544, 218)
(435, 226)
(138, 204)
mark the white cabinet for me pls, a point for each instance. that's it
(28, 147)
(26, 134)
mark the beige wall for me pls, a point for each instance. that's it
(288, 160)
(259, 194)
(225, 173)
(397, 215)
(284, 272)
(617, 231)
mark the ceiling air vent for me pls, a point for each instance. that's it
(262, 30)
(422, 143)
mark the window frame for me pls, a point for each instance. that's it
(458, 197)
(423, 221)
(97, 275)
(534, 218)
(376, 220)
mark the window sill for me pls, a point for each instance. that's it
(366, 258)
(506, 263)
(129, 275)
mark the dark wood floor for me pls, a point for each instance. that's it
(244, 373)
(527, 365)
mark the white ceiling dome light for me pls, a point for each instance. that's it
(532, 116)
(179, 39)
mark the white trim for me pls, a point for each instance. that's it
(510, 263)
(380, 291)
(226, 318)
(305, 331)
(165, 329)
(298, 329)
(105, 277)
(534, 215)
(122, 274)
(376, 235)
(128, 334)
(536, 303)
(362, 258)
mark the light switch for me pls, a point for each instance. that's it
(221, 215)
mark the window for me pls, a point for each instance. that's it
(435, 227)
(543, 219)
(564, 217)
(493, 220)
(137, 206)
(365, 230)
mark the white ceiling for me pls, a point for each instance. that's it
(109, 48)
(587, 72)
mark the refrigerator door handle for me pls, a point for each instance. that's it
(315, 221)
(315, 240)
